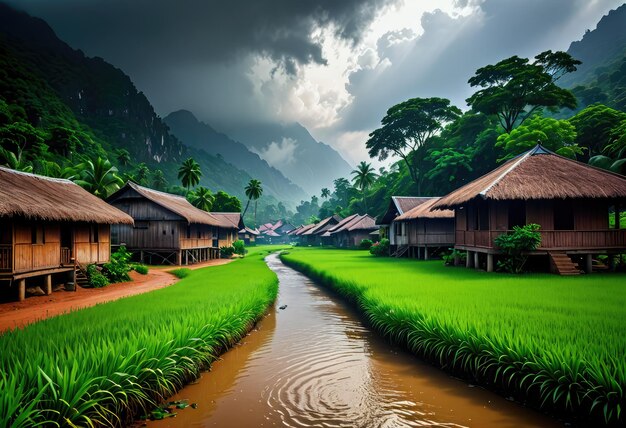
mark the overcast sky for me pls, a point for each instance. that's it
(335, 66)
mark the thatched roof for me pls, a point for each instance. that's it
(539, 174)
(228, 220)
(35, 197)
(303, 229)
(425, 211)
(398, 205)
(343, 222)
(323, 225)
(175, 203)
(254, 232)
(359, 222)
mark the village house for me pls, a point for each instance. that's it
(248, 235)
(313, 235)
(571, 201)
(397, 232)
(167, 228)
(350, 231)
(428, 231)
(228, 227)
(48, 228)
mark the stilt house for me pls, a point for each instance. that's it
(428, 231)
(396, 232)
(571, 201)
(313, 235)
(349, 232)
(228, 227)
(167, 228)
(48, 226)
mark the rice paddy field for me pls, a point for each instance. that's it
(555, 343)
(105, 365)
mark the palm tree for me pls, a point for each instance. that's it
(141, 175)
(158, 180)
(122, 156)
(364, 177)
(189, 173)
(325, 193)
(98, 177)
(253, 191)
(202, 198)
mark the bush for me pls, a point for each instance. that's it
(365, 244)
(141, 269)
(227, 252)
(181, 272)
(380, 249)
(449, 256)
(119, 266)
(240, 247)
(96, 278)
(516, 245)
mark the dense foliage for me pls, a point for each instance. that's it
(139, 351)
(551, 342)
(516, 245)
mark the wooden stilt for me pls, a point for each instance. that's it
(469, 259)
(21, 289)
(588, 263)
(426, 252)
(48, 285)
(476, 260)
(489, 262)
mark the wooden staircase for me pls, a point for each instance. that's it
(562, 264)
(400, 251)
(81, 276)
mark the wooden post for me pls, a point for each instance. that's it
(48, 285)
(141, 256)
(186, 257)
(457, 259)
(74, 273)
(489, 262)
(425, 252)
(21, 289)
(617, 210)
(179, 258)
(612, 262)
(588, 263)
(476, 260)
(469, 259)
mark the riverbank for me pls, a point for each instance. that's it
(549, 342)
(19, 314)
(105, 364)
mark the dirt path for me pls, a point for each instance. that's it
(19, 314)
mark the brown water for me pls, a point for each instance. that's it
(314, 364)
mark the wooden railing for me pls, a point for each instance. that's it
(66, 256)
(432, 238)
(6, 257)
(610, 238)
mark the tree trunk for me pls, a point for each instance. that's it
(255, 204)
(246, 210)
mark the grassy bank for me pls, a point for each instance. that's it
(102, 365)
(557, 343)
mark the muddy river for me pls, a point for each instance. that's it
(314, 364)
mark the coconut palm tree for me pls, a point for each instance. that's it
(253, 191)
(189, 173)
(202, 198)
(98, 177)
(364, 177)
(122, 156)
(325, 193)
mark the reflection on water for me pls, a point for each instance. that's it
(315, 364)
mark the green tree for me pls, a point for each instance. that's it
(189, 173)
(253, 191)
(556, 135)
(226, 203)
(202, 198)
(141, 174)
(363, 178)
(158, 180)
(15, 161)
(409, 126)
(122, 156)
(595, 127)
(98, 177)
(325, 193)
(514, 89)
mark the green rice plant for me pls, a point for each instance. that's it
(105, 365)
(555, 343)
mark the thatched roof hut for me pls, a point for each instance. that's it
(539, 174)
(228, 220)
(398, 205)
(425, 210)
(35, 197)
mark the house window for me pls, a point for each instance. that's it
(517, 214)
(94, 234)
(38, 234)
(141, 224)
(563, 215)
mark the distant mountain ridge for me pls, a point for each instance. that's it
(291, 149)
(202, 136)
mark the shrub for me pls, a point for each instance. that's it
(181, 272)
(365, 244)
(96, 278)
(227, 252)
(141, 269)
(240, 247)
(516, 245)
(449, 256)
(117, 269)
(380, 249)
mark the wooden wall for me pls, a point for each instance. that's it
(86, 251)
(433, 231)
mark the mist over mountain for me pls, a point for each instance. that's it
(291, 149)
(202, 136)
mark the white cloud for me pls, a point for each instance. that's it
(278, 154)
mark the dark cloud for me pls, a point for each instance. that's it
(441, 60)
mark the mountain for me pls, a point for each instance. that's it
(291, 149)
(49, 89)
(602, 75)
(201, 136)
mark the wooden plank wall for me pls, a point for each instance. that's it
(28, 256)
